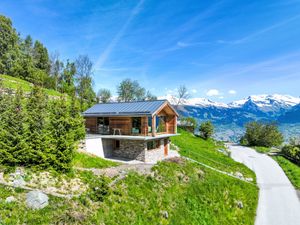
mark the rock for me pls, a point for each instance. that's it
(36, 200)
(10, 199)
(240, 204)
(165, 214)
(19, 182)
(1, 176)
(239, 175)
(250, 179)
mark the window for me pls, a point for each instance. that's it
(136, 125)
(103, 125)
(161, 124)
(153, 144)
(117, 144)
(150, 145)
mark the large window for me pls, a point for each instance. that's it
(161, 124)
(136, 125)
(103, 125)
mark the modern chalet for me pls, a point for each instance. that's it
(131, 130)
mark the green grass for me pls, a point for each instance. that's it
(83, 160)
(261, 149)
(191, 194)
(14, 83)
(291, 170)
(206, 151)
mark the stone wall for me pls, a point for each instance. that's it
(131, 149)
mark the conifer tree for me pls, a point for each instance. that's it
(62, 135)
(36, 127)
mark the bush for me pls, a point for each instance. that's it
(292, 152)
(99, 189)
(206, 130)
(260, 134)
(188, 123)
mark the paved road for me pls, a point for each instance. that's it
(278, 202)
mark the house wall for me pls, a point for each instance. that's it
(99, 146)
(91, 124)
(131, 149)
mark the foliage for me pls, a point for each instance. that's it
(188, 124)
(82, 160)
(36, 132)
(84, 70)
(260, 134)
(104, 95)
(30, 61)
(292, 170)
(262, 149)
(292, 152)
(129, 90)
(206, 151)
(99, 189)
(206, 130)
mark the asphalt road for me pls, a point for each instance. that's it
(278, 202)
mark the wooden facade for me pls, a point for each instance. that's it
(125, 124)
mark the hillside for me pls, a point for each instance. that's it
(13, 83)
(173, 192)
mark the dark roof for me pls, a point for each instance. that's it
(125, 108)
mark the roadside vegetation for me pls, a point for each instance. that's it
(209, 152)
(262, 135)
(262, 149)
(291, 169)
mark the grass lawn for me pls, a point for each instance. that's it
(206, 151)
(14, 83)
(261, 149)
(291, 170)
(187, 192)
(84, 160)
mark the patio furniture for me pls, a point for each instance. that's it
(116, 130)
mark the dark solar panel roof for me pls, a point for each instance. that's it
(124, 108)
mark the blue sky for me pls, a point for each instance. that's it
(223, 50)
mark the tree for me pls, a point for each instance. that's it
(206, 130)
(84, 89)
(9, 48)
(56, 68)
(41, 57)
(130, 90)
(67, 79)
(13, 146)
(188, 124)
(181, 96)
(260, 134)
(104, 95)
(37, 136)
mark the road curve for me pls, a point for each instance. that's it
(278, 202)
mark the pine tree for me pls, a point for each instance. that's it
(36, 137)
(77, 120)
(62, 135)
(13, 146)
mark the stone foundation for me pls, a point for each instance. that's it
(131, 149)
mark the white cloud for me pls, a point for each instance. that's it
(194, 91)
(213, 92)
(232, 92)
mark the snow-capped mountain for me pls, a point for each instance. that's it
(267, 103)
(230, 118)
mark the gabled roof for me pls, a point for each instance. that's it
(140, 108)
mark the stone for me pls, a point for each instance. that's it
(10, 199)
(1, 176)
(19, 182)
(165, 214)
(240, 204)
(249, 179)
(239, 175)
(36, 200)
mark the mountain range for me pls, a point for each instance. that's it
(229, 119)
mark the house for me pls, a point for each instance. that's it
(133, 130)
